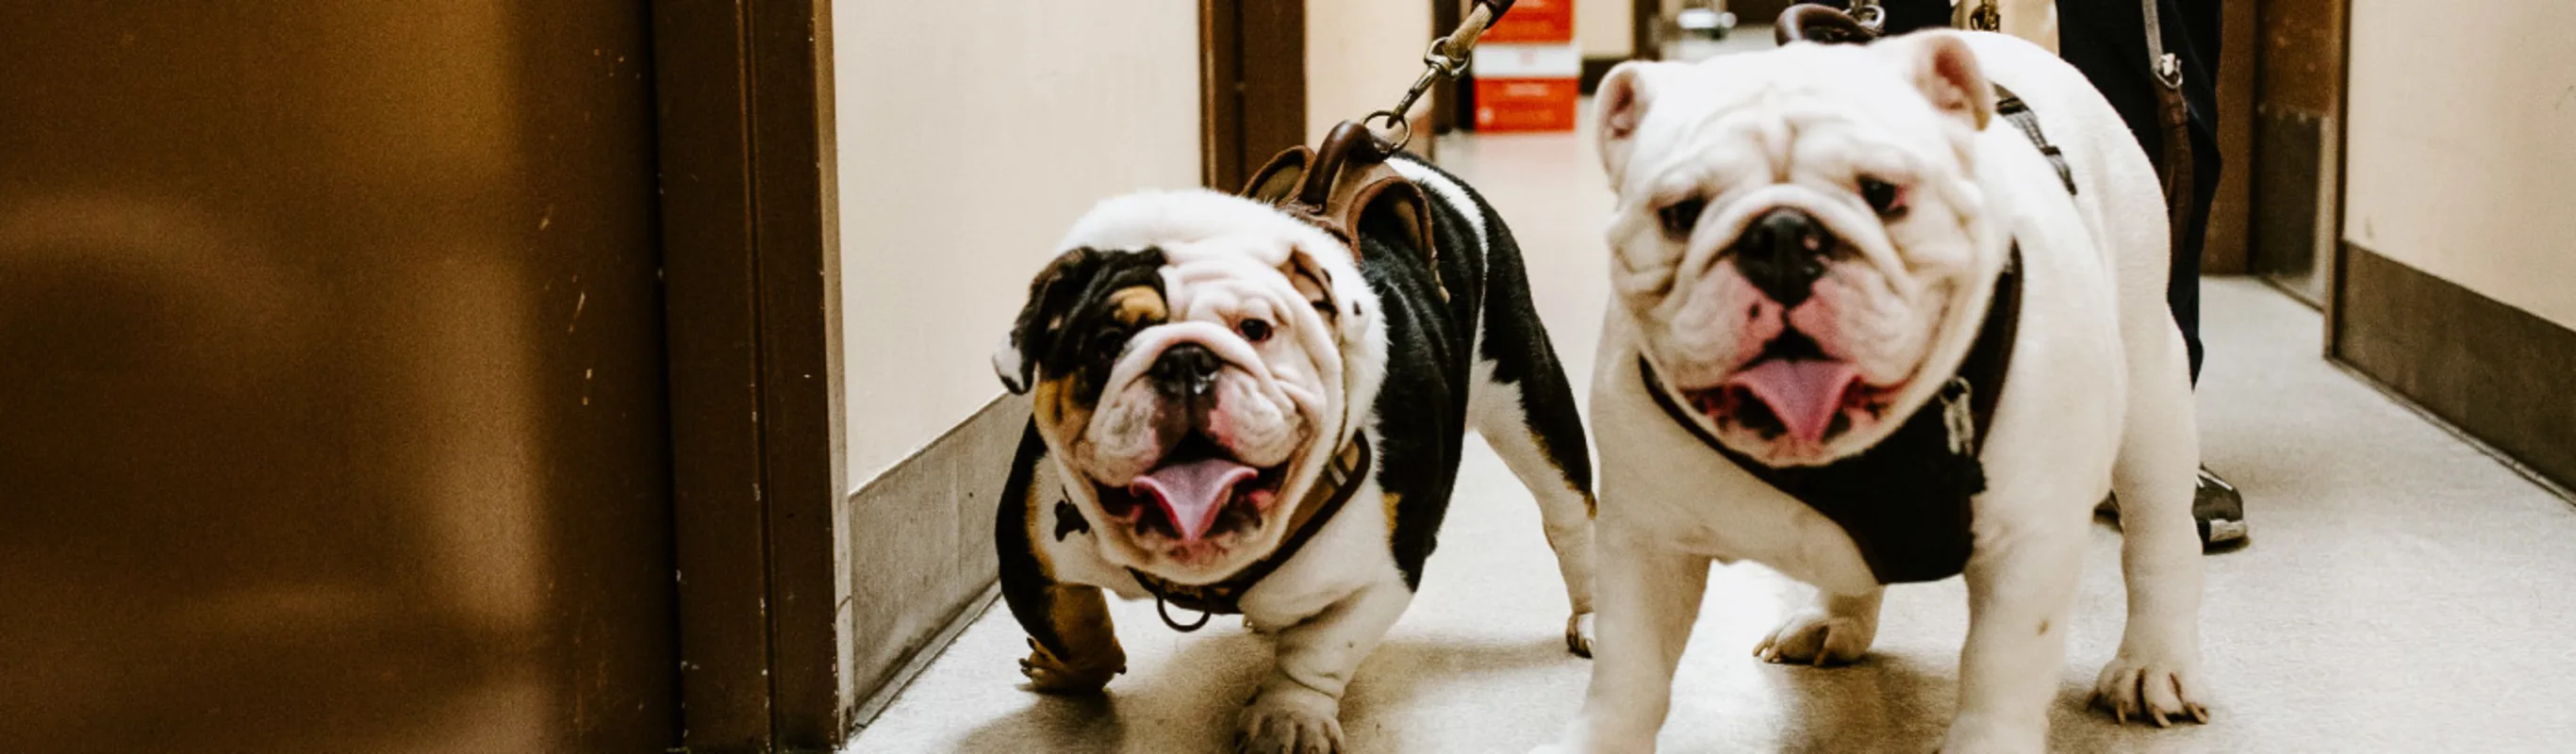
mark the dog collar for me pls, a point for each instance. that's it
(1340, 480)
(1906, 502)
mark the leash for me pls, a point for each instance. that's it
(2174, 113)
(1447, 58)
(1869, 15)
(1821, 23)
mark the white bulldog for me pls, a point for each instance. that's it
(1807, 246)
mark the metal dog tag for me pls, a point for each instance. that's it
(1959, 416)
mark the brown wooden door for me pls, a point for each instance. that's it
(332, 406)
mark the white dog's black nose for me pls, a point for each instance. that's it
(1185, 370)
(1783, 253)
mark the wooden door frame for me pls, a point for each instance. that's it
(752, 290)
(1643, 17)
(752, 298)
(1252, 86)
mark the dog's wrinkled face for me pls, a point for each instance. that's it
(1799, 235)
(1192, 375)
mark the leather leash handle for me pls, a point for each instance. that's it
(1807, 22)
(1478, 20)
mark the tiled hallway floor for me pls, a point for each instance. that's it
(2403, 593)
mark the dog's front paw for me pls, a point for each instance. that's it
(2148, 690)
(1290, 719)
(1816, 639)
(1050, 675)
(1578, 634)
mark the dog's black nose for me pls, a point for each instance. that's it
(1783, 254)
(1185, 370)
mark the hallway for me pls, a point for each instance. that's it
(2403, 591)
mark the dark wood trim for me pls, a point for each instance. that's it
(1220, 103)
(2293, 202)
(1252, 85)
(1445, 16)
(2229, 240)
(1643, 17)
(752, 288)
(2496, 372)
(1594, 69)
(2333, 284)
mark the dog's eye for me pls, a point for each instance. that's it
(1110, 343)
(1680, 217)
(1253, 330)
(1887, 199)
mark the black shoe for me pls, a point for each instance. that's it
(2217, 510)
(2220, 512)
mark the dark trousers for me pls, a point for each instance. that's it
(2107, 40)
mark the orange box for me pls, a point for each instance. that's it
(1526, 104)
(1527, 87)
(1535, 21)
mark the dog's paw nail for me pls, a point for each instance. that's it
(2154, 692)
(1290, 722)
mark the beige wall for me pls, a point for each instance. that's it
(972, 133)
(1360, 57)
(2461, 148)
(1602, 29)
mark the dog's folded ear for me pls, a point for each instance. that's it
(1052, 296)
(1078, 281)
(1621, 105)
(1946, 70)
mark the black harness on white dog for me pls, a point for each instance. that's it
(1907, 502)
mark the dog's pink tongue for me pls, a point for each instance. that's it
(1805, 394)
(1192, 493)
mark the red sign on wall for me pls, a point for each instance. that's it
(1535, 21)
(1525, 104)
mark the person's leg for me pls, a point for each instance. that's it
(2107, 42)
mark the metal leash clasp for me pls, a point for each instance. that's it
(1958, 416)
(1447, 58)
(1869, 15)
(1986, 17)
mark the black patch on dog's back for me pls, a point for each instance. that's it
(1422, 406)
(1422, 409)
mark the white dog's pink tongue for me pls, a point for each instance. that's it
(1192, 493)
(1805, 394)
